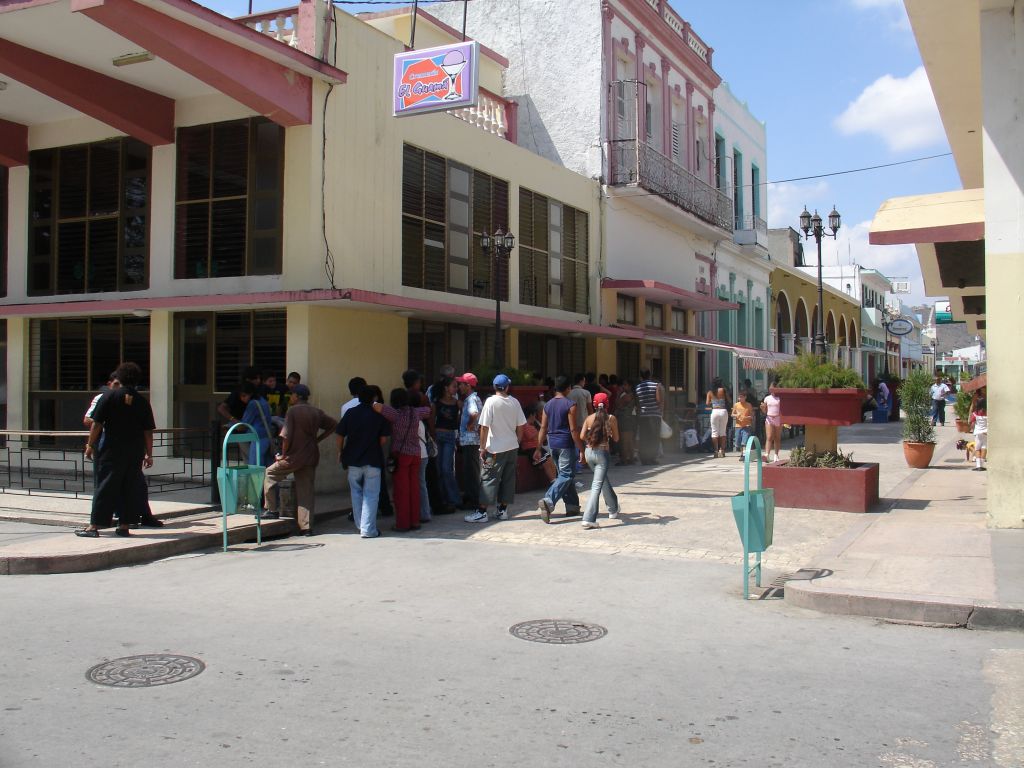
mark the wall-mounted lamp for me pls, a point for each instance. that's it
(142, 312)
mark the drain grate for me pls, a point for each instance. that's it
(558, 631)
(145, 671)
(777, 589)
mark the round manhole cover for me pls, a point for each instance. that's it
(145, 671)
(558, 631)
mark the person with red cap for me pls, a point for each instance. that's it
(597, 433)
(469, 440)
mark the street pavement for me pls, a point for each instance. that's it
(926, 555)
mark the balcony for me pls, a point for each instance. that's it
(282, 25)
(633, 163)
(492, 114)
(751, 234)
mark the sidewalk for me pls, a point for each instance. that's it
(924, 556)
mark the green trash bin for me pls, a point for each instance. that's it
(239, 482)
(754, 513)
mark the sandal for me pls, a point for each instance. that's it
(88, 534)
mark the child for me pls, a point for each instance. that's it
(771, 406)
(980, 420)
(743, 420)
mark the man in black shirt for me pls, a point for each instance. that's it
(126, 420)
(361, 435)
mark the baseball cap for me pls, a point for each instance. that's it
(467, 378)
(501, 381)
(600, 399)
(301, 390)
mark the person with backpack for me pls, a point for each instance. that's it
(598, 432)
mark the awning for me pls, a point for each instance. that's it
(668, 294)
(976, 383)
(944, 217)
(753, 359)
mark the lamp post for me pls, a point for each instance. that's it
(498, 246)
(812, 227)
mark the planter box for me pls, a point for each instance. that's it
(828, 407)
(842, 490)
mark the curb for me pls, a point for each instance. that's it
(909, 608)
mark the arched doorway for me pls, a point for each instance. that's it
(783, 322)
(801, 327)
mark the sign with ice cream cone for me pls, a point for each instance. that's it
(436, 79)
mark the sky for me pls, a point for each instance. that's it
(839, 86)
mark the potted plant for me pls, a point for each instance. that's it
(822, 396)
(962, 409)
(918, 432)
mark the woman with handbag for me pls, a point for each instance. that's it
(598, 432)
(446, 427)
(405, 447)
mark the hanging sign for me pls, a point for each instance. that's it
(436, 79)
(900, 326)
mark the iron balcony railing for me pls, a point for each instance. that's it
(755, 223)
(634, 162)
(52, 463)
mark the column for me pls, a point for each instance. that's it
(161, 367)
(641, 91)
(788, 340)
(773, 339)
(666, 107)
(17, 372)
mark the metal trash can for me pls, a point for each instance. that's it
(240, 482)
(754, 513)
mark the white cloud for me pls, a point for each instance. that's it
(786, 201)
(899, 110)
(852, 247)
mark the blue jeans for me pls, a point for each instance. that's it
(741, 434)
(424, 498)
(564, 486)
(939, 412)
(601, 485)
(364, 483)
(450, 492)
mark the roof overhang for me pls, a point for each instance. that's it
(948, 230)
(663, 293)
(752, 359)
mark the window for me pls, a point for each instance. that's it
(446, 206)
(654, 315)
(431, 345)
(677, 143)
(737, 188)
(720, 170)
(625, 309)
(677, 368)
(69, 359)
(627, 360)
(89, 218)
(228, 213)
(546, 355)
(698, 153)
(755, 191)
(679, 320)
(553, 254)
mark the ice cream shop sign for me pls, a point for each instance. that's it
(433, 79)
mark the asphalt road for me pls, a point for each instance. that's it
(397, 652)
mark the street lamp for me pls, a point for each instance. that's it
(811, 226)
(499, 245)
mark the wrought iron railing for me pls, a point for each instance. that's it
(53, 463)
(634, 162)
(755, 223)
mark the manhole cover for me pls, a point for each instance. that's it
(145, 671)
(558, 631)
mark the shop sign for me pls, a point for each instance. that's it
(436, 79)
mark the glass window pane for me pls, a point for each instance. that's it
(459, 242)
(459, 179)
(136, 156)
(73, 163)
(104, 178)
(71, 258)
(459, 212)
(102, 274)
(135, 192)
(73, 357)
(136, 345)
(227, 238)
(194, 146)
(268, 150)
(43, 354)
(104, 348)
(231, 349)
(195, 332)
(555, 269)
(191, 240)
(269, 343)
(40, 267)
(230, 159)
(459, 277)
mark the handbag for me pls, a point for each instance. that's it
(666, 430)
(431, 445)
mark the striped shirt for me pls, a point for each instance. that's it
(647, 398)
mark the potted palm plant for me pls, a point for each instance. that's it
(962, 409)
(918, 432)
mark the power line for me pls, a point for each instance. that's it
(856, 170)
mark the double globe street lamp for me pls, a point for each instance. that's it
(498, 246)
(812, 226)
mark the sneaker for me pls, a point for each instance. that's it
(480, 516)
(588, 526)
(546, 508)
(613, 515)
(502, 513)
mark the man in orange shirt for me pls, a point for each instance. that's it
(743, 421)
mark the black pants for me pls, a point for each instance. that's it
(120, 487)
(649, 428)
(470, 475)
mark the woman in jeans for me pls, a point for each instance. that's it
(446, 427)
(598, 431)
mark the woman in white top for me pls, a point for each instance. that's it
(771, 407)
(980, 419)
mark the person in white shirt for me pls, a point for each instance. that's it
(501, 428)
(355, 386)
(939, 391)
(980, 419)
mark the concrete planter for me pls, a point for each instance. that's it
(829, 407)
(842, 490)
